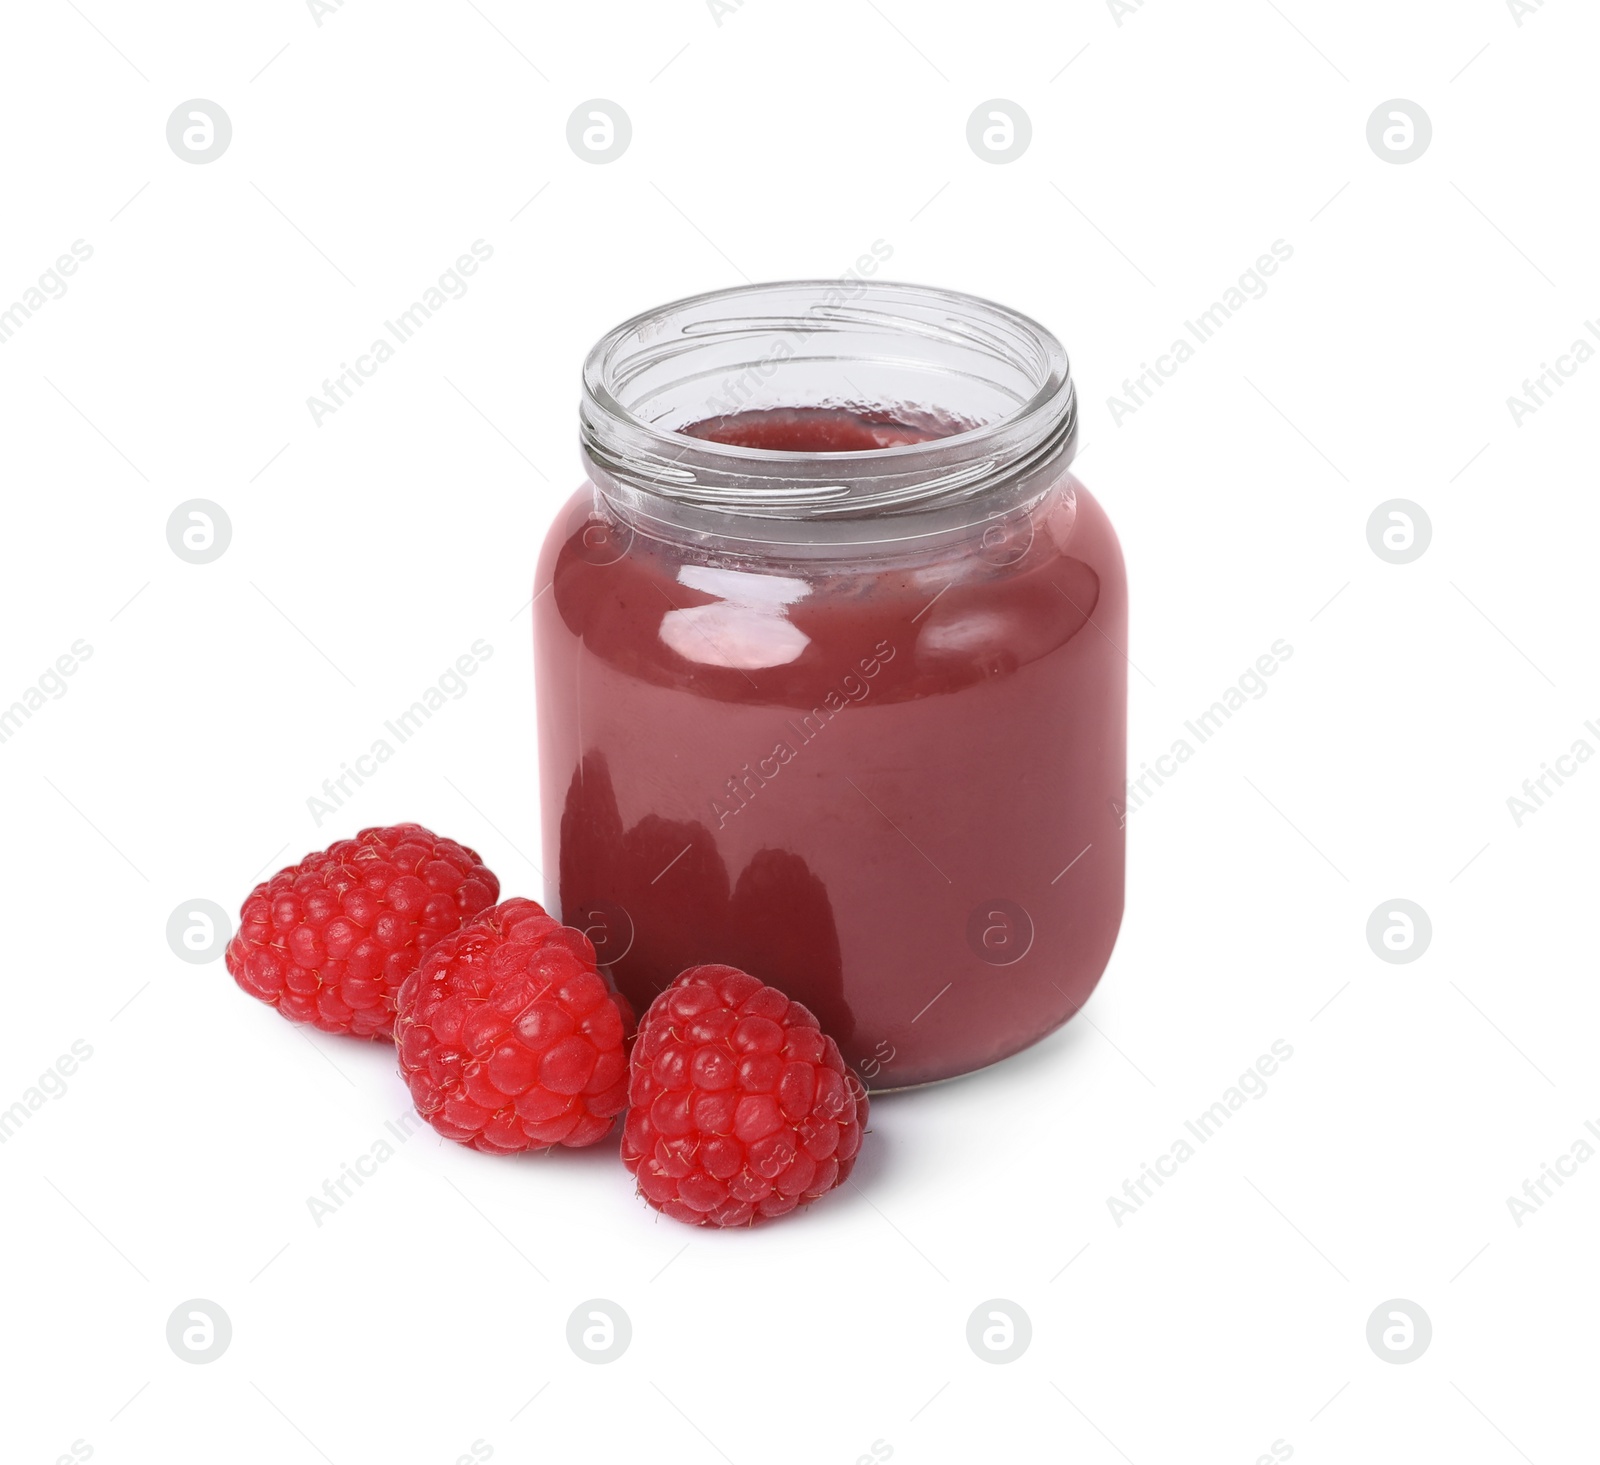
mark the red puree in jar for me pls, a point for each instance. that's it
(830, 668)
(890, 785)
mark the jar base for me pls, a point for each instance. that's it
(928, 1083)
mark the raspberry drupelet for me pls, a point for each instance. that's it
(741, 1108)
(329, 941)
(509, 1037)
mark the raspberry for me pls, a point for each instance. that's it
(510, 1038)
(330, 940)
(741, 1107)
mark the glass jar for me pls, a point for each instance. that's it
(831, 670)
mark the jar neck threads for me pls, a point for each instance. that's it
(996, 386)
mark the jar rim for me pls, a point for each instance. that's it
(960, 337)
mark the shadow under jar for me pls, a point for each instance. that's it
(831, 671)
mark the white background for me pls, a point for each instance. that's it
(369, 552)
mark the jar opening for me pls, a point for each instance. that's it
(848, 428)
(940, 400)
